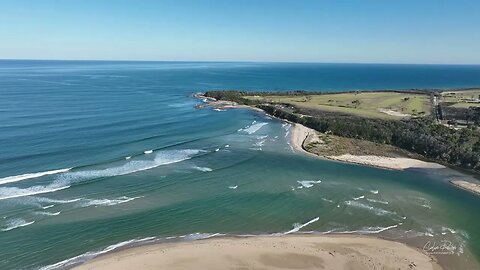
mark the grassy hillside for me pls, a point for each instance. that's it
(384, 105)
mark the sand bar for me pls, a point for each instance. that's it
(394, 163)
(469, 186)
(286, 252)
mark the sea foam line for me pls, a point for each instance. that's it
(64, 180)
(378, 211)
(369, 230)
(16, 223)
(45, 213)
(16, 178)
(108, 202)
(13, 192)
(203, 169)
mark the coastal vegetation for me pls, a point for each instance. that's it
(421, 131)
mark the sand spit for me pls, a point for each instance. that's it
(286, 252)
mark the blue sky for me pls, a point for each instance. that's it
(363, 31)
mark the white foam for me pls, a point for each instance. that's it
(253, 128)
(218, 149)
(203, 169)
(377, 211)
(374, 191)
(198, 236)
(64, 180)
(444, 229)
(13, 192)
(259, 143)
(92, 254)
(16, 223)
(298, 226)
(377, 201)
(327, 200)
(308, 184)
(148, 151)
(358, 198)
(107, 202)
(233, 187)
(16, 178)
(48, 200)
(219, 110)
(227, 146)
(127, 158)
(48, 206)
(369, 230)
(286, 126)
(48, 213)
(426, 206)
(161, 158)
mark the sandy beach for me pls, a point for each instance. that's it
(300, 133)
(394, 163)
(285, 252)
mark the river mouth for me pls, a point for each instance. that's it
(122, 154)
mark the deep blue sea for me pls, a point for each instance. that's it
(96, 155)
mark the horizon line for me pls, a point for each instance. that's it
(237, 61)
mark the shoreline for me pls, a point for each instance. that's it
(300, 134)
(269, 252)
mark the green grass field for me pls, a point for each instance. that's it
(462, 99)
(387, 105)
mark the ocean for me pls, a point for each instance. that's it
(98, 155)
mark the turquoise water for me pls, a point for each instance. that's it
(99, 155)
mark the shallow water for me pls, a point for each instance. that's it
(96, 154)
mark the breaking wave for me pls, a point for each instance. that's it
(48, 213)
(65, 180)
(203, 169)
(377, 201)
(253, 128)
(108, 202)
(13, 192)
(377, 211)
(48, 206)
(16, 223)
(16, 178)
(308, 184)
